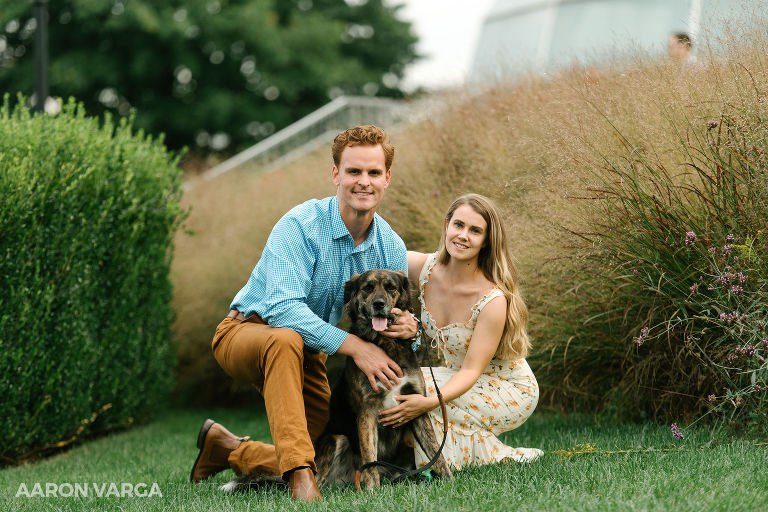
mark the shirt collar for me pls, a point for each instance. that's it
(339, 229)
(371, 234)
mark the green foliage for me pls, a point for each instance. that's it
(197, 68)
(87, 215)
(677, 282)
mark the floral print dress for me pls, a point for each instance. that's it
(502, 399)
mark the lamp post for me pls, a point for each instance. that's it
(41, 54)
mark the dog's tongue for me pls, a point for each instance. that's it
(379, 323)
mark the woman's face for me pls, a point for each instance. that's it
(465, 233)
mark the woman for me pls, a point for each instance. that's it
(471, 308)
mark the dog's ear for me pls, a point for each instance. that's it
(350, 288)
(404, 283)
(405, 291)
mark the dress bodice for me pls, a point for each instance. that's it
(453, 339)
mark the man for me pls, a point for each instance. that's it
(679, 48)
(281, 326)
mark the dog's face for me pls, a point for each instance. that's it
(370, 297)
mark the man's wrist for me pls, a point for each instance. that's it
(349, 346)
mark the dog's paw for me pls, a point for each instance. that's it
(253, 481)
(231, 486)
(371, 479)
(443, 473)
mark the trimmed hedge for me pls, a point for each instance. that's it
(87, 215)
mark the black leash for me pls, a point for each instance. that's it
(408, 473)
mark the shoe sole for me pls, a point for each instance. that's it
(207, 424)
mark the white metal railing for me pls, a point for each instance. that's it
(339, 114)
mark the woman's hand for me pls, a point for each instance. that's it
(410, 407)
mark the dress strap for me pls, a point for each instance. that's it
(482, 302)
(426, 269)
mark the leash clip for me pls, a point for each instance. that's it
(416, 340)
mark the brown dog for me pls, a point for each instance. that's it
(353, 435)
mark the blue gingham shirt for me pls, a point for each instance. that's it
(299, 281)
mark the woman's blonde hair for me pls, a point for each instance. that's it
(496, 263)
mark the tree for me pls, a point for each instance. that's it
(209, 73)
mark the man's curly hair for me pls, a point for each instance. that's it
(368, 135)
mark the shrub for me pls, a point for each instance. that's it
(87, 212)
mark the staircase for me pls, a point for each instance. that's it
(318, 129)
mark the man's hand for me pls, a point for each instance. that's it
(406, 327)
(372, 361)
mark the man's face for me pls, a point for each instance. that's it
(361, 178)
(676, 49)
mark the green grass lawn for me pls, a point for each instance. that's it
(658, 473)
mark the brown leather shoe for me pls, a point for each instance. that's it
(215, 443)
(303, 485)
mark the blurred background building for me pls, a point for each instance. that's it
(542, 35)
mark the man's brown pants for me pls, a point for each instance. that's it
(294, 385)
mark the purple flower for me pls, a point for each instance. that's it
(711, 249)
(676, 432)
(726, 277)
(729, 237)
(639, 340)
(736, 289)
(695, 288)
(711, 398)
(711, 124)
(732, 317)
(690, 238)
(742, 278)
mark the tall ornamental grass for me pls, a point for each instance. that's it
(87, 215)
(669, 291)
(680, 263)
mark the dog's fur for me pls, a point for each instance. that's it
(353, 435)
